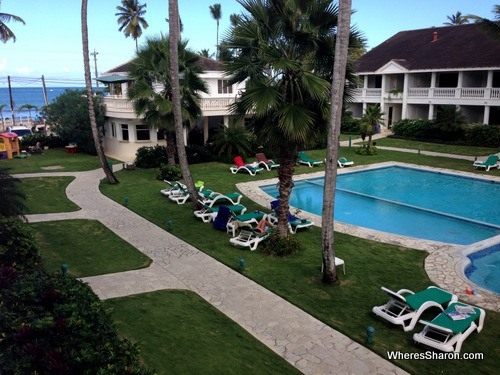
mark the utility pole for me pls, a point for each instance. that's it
(11, 102)
(95, 66)
(44, 88)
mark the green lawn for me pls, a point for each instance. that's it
(180, 333)
(47, 195)
(437, 147)
(345, 306)
(54, 157)
(87, 246)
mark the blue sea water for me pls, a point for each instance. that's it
(29, 95)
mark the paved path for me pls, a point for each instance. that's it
(305, 342)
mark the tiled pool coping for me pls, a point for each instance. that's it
(446, 262)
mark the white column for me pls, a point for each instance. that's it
(406, 84)
(486, 116)
(382, 98)
(431, 112)
(226, 121)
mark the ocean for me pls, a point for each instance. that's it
(28, 95)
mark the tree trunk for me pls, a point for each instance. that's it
(174, 36)
(287, 159)
(170, 139)
(88, 85)
(338, 83)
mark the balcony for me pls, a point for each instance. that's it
(438, 92)
(120, 106)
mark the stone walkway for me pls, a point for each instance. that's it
(305, 342)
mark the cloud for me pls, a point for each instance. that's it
(3, 64)
(23, 70)
(66, 70)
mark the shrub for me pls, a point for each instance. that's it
(350, 125)
(151, 157)
(483, 135)
(198, 154)
(413, 128)
(363, 150)
(17, 245)
(230, 141)
(281, 246)
(169, 173)
(49, 140)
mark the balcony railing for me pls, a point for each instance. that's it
(120, 103)
(439, 92)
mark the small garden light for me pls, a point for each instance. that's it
(125, 201)
(370, 332)
(241, 264)
(170, 225)
(64, 269)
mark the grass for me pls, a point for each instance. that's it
(345, 306)
(437, 147)
(180, 333)
(54, 157)
(87, 246)
(47, 195)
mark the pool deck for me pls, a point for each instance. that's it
(446, 262)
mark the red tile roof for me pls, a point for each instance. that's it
(206, 63)
(455, 47)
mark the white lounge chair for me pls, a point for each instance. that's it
(493, 161)
(343, 162)
(179, 196)
(304, 159)
(248, 238)
(446, 334)
(246, 219)
(241, 166)
(173, 189)
(210, 198)
(405, 307)
(208, 214)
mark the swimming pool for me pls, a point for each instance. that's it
(408, 201)
(484, 269)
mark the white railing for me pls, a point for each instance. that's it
(457, 93)
(418, 92)
(373, 92)
(495, 94)
(444, 92)
(118, 103)
(473, 93)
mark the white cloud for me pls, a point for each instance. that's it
(66, 69)
(23, 70)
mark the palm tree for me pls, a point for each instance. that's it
(332, 151)
(216, 12)
(5, 33)
(2, 106)
(131, 20)
(285, 56)
(152, 91)
(174, 37)
(29, 107)
(88, 85)
(371, 118)
(456, 19)
(206, 53)
(491, 26)
(11, 196)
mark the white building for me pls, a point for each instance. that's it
(413, 72)
(125, 132)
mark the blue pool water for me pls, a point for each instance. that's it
(484, 269)
(410, 202)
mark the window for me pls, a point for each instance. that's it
(224, 87)
(142, 132)
(125, 132)
(113, 130)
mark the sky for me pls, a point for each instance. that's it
(50, 43)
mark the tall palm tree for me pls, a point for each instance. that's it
(332, 151)
(371, 118)
(2, 106)
(29, 107)
(131, 20)
(174, 37)
(491, 26)
(152, 91)
(216, 12)
(88, 85)
(285, 56)
(5, 33)
(456, 19)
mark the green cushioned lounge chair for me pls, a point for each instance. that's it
(447, 334)
(208, 214)
(491, 162)
(304, 159)
(405, 307)
(343, 162)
